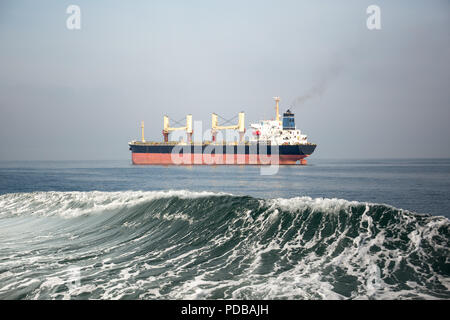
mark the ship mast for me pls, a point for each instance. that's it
(277, 100)
(142, 131)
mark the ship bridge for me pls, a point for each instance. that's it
(288, 120)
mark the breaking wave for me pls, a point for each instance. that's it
(203, 245)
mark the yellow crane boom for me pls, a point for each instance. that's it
(240, 127)
(167, 129)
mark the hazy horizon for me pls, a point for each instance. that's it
(359, 94)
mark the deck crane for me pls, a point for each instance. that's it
(240, 127)
(167, 129)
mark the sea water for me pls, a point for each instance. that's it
(334, 229)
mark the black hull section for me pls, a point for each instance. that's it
(304, 150)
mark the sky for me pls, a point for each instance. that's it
(357, 93)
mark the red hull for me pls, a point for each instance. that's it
(212, 159)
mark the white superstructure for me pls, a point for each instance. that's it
(271, 131)
(278, 132)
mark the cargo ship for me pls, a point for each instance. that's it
(272, 142)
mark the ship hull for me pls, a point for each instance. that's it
(166, 154)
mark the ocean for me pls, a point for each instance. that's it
(334, 229)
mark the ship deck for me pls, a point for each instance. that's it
(205, 143)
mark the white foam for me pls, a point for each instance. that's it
(324, 205)
(304, 278)
(75, 204)
(174, 216)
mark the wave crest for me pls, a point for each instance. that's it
(183, 244)
(77, 203)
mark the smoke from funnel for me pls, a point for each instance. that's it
(319, 88)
